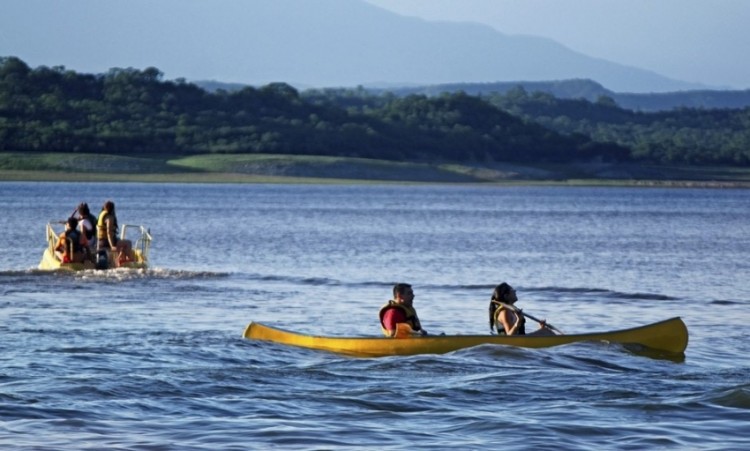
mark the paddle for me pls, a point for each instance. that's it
(518, 310)
(404, 330)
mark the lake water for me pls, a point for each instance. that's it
(155, 359)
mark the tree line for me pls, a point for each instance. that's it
(588, 90)
(130, 111)
(687, 136)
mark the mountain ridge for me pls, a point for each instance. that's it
(327, 43)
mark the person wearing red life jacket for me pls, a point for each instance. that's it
(398, 318)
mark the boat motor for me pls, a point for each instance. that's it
(102, 262)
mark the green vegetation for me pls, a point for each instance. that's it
(130, 121)
(127, 111)
(83, 163)
(582, 89)
(683, 136)
(234, 168)
(272, 168)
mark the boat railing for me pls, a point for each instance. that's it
(51, 237)
(142, 243)
(71, 249)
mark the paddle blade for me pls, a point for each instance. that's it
(403, 330)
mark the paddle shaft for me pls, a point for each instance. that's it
(72, 215)
(517, 310)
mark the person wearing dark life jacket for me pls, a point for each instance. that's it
(507, 321)
(398, 318)
(71, 243)
(106, 234)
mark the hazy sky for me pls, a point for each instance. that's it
(704, 41)
(697, 41)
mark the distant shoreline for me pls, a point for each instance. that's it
(218, 178)
(295, 169)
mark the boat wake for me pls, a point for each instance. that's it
(118, 274)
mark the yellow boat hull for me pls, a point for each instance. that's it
(51, 261)
(669, 336)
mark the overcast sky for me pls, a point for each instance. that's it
(704, 41)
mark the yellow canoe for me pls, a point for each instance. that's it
(669, 336)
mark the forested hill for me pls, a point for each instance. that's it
(590, 90)
(129, 111)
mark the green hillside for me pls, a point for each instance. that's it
(134, 113)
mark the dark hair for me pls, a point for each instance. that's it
(400, 288)
(83, 209)
(109, 207)
(498, 295)
(500, 292)
(72, 222)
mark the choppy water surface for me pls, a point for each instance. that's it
(155, 360)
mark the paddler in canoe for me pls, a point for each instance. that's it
(398, 318)
(507, 319)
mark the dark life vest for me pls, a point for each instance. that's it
(73, 237)
(498, 325)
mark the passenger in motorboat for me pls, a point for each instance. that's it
(106, 235)
(71, 243)
(398, 318)
(506, 318)
(87, 224)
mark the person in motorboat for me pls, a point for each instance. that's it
(106, 234)
(506, 318)
(87, 226)
(71, 243)
(398, 318)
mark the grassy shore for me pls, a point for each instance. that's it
(263, 168)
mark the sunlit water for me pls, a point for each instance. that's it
(155, 360)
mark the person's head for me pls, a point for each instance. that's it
(83, 210)
(504, 293)
(403, 293)
(109, 207)
(72, 223)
